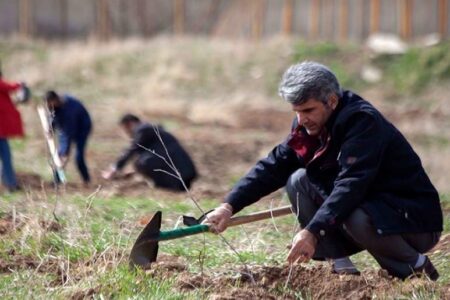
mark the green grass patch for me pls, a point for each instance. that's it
(417, 68)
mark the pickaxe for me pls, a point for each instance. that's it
(48, 132)
(145, 249)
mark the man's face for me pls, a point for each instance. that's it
(53, 103)
(313, 114)
(128, 128)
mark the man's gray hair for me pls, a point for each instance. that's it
(308, 80)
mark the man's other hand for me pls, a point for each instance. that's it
(109, 174)
(303, 247)
(218, 219)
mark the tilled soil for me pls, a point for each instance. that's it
(271, 282)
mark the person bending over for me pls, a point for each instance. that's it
(73, 123)
(352, 178)
(152, 161)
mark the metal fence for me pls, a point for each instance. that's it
(330, 20)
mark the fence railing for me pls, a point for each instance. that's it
(336, 20)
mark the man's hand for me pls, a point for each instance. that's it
(218, 219)
(303, 247)
(110, 173)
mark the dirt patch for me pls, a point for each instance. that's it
(167, 266)
(272, 282)
(17, 262)
(5, 226)
(8, 223)
(30, 180)
(50, 225)
(85, 294)
(317, 282)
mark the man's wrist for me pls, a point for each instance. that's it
(312, 235)
(227, 207)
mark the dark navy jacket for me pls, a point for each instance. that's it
(73, 123)
(364, 161)
(145, 139)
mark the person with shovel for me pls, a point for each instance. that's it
(73, 123)
(159, 155)
(10, 126)
(352, 178)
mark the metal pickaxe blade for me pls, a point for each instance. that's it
(145, 249)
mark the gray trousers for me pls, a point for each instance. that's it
(395, 253)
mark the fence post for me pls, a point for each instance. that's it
(286, 17)
(178, 16)
(405, 19)
(123, 13)
(64, 17)
(443, 18)
(25, 18)
(258, 19)
(343, 20)
(374, 16)
(314, 23)
(142, 16)
(103, 21)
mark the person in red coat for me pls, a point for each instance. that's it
(10, 126)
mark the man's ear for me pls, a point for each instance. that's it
(333, 101)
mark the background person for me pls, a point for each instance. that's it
(73, 124)
(10, 126)
(148, 164)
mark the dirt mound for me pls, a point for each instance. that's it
(317, 282)
(272, 282)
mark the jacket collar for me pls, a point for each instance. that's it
(331, 120)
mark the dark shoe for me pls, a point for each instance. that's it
(345, 271)
(427, 269)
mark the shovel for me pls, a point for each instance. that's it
(145, 249)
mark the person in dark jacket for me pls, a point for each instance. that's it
(159, 156)
(73, 123)
(10, 127)
(352, 178)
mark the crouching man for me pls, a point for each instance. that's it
(154, 155)
(352, 178)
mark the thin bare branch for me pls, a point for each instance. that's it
(294, 229)
(272, 217)
(168, 173)
(172, 166)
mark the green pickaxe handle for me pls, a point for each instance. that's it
(181, 232)
(191, 230)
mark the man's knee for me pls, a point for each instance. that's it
(295, 186)
(358, 225)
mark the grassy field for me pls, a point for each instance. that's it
(219, 98)
(84, 253)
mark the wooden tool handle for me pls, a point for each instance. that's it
(262, 215)
(191, 230)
